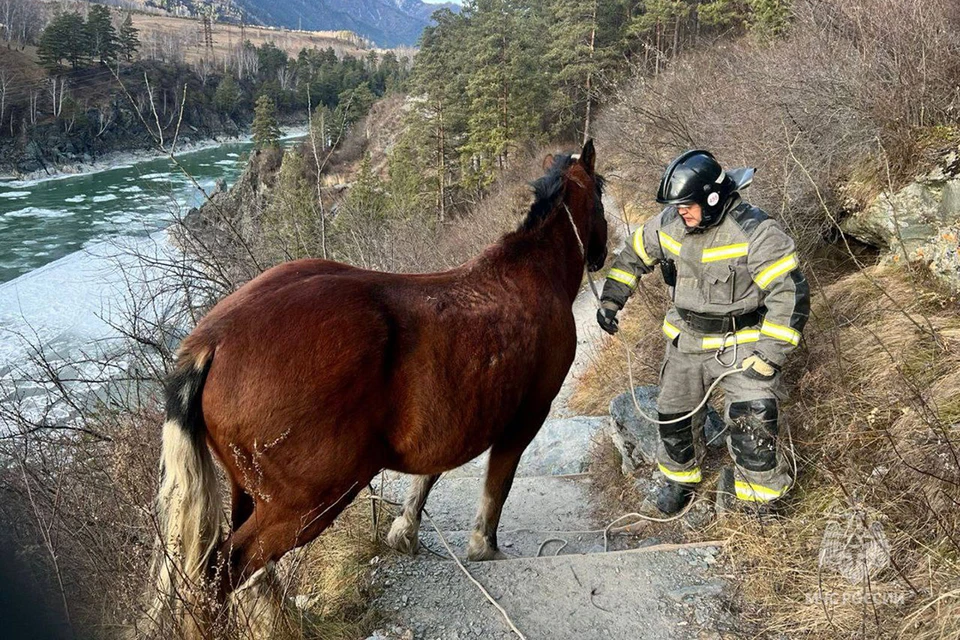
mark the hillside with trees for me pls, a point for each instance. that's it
(99, 90)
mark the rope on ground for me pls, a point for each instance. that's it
(640, 516)
(548, 541)
(479, 586)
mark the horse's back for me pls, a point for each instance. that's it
(432, 366)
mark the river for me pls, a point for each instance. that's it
(68, 247)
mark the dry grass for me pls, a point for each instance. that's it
(874, 416)
(333, 576)
(614, 493)
(874, 424)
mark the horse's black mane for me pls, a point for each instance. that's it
(547, 189)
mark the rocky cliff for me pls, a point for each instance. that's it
(919, 223)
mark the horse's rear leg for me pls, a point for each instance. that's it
(403, 533)
(274, 529)
(504, 458)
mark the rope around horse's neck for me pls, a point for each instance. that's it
(626, 347)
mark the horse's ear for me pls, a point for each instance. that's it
(547, 162)
(588, 157)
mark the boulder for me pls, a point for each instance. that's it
(910, 216)
(918, 223)
(636, 437)
(560, 446)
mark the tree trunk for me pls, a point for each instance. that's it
(505, 93)
(593, 36)
(441, 165)
(656, 70)
(4, 82)
(676, 36)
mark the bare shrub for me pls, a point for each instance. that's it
(851, 81)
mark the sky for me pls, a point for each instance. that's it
(442, 1)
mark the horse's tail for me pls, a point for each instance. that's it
(188, 503)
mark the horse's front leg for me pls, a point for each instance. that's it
(403, 533)
(501, 469)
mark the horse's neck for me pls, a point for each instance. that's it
(553, 252)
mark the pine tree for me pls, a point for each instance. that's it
(129, 41)
(366, 197)
(408, 163)
(769, 18)
(78, 39)
(573, 57)
(53, 45)
(270, 59)
(266, 131)
(101, 36)
(353, 104)
(720, 13)
(292, 214)
(65, 38)
(508, 86)
(227, 96)
(439, 79)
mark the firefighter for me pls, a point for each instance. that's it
(739, 302)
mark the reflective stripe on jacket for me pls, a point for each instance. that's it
(744, 263)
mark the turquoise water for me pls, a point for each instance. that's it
(79, 254)
(42, 221)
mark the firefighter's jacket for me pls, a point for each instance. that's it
(744, 264)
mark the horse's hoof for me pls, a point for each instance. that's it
(403, 536)
(480, 550)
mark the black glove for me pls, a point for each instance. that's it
(607, 319)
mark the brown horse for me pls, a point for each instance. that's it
(311, 378)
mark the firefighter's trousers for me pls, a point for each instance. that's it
(751, 413)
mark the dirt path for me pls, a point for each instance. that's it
(560, 582)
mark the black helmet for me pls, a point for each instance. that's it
(696, 177)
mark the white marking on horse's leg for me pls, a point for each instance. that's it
(501, 469)
(483, 540)
(258, 603)
(403, 532)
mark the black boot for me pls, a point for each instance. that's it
(673, 497)
(726, 493)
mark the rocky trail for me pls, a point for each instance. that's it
(559, 582)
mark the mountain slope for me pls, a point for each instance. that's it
(388, 23)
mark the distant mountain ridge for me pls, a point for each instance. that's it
(388, 23)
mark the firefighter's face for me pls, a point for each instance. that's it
(691, 213)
